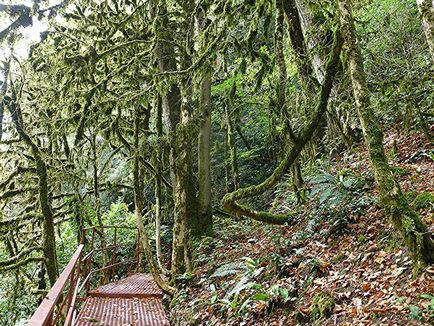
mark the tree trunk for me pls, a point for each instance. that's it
(227, 163)
(3, 89)
(180, 160)
(406, 221)
(312, 40)
(158, 181)
(48, 234)
(318, 43)
(297, 40)
(204, 157)
(194, 223)
(426, 10)
(230, 200)
(138, 201)
(181, 197)
(297, 179)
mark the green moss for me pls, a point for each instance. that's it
(361, 239)
(345, 173)
(393, 153)
(374, 316)
(410, 196)
(388, 242)
(338, 258)
(398, 171)
(423, 200)
(322, 305)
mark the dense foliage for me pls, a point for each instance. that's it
(184, 117)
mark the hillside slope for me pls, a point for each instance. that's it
(326, 269)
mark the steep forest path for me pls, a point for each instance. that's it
(102, 285)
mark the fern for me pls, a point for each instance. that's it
(335, 190)
(229, 269)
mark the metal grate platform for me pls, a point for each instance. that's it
(134, 300)
(122, 311)
(133, 286)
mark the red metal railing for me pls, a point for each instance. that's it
(51, 308)
(89, 259)
(59, 307)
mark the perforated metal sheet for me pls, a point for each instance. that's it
(133, 286)
(121, 312)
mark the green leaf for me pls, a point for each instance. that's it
(261, 296)
(240, 286)
(325, 195)
(244, 305)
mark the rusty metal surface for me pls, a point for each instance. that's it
(133, 286)
(122, 311)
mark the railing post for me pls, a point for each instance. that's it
(83, 235)
(138, 251)
(71, 288)
(75, 275)
(114, 251)
(90, 258)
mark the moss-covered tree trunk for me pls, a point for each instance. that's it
(297, 40)
(297, 178)
(180, 198)
(3, 89)
(48, 234)
(158, 183)
(96, 192)
(313, 39)
(426, 10)
(204, 154)
(405, 220)
(230, 201)
(138, 201)
(309, 27)
(187, 84)
(177, 125)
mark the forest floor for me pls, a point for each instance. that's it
(318, 271)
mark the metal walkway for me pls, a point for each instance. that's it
(135, 300)
(87, 293)
(133, 286)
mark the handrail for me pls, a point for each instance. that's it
(96, 250)
(124, 262)
(94, 271)
(59, 306)
(108, 227)
(44, 314)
